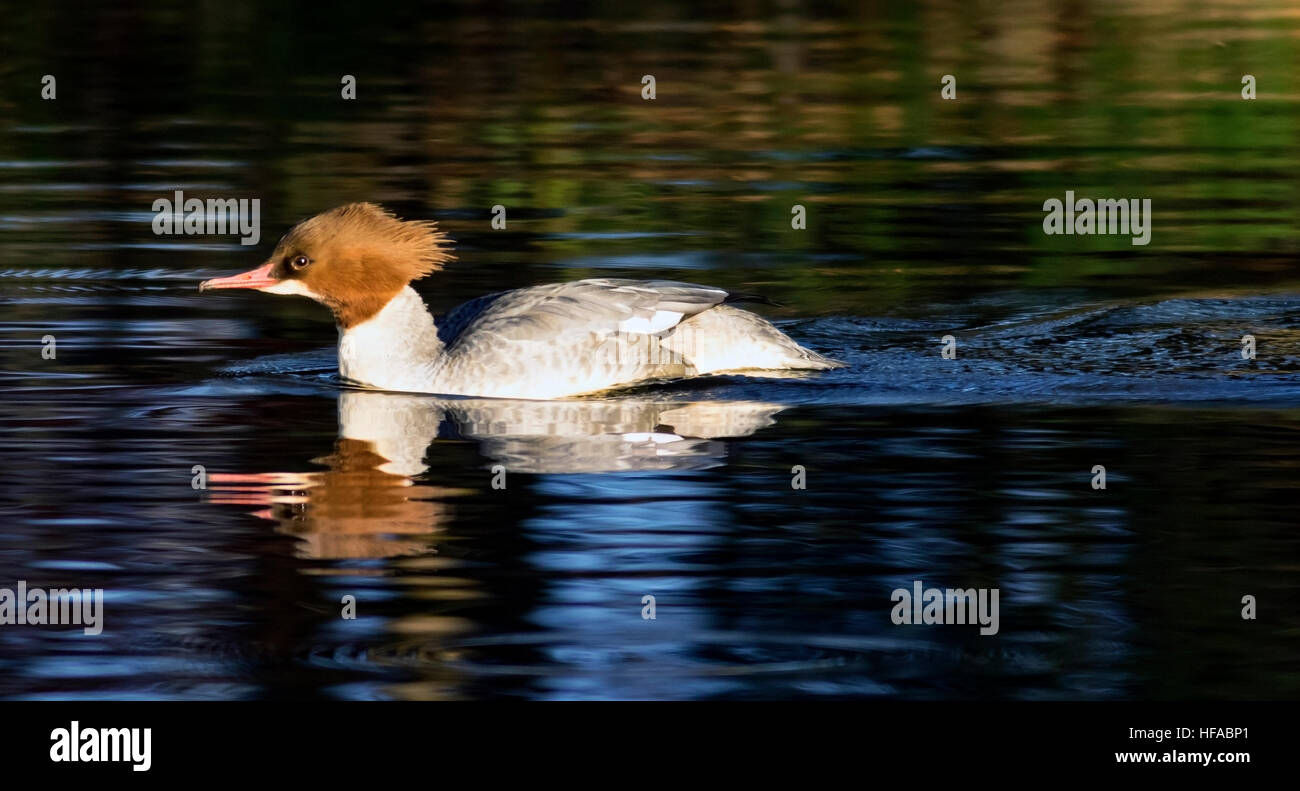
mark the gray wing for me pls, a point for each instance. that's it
(590, 335)
(603, 305)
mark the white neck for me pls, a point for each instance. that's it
(396, 349)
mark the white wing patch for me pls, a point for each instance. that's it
(661, 320)
(652, 436)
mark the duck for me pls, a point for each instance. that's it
(541, 342)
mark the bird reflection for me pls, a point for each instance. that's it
(353, 509)
(368, 503)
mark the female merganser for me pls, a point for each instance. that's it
(541, 342)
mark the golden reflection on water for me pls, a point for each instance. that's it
(370, 501)
(352, 510)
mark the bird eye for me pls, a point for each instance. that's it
(299, 261)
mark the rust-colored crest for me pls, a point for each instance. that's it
(358, 257)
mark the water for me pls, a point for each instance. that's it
(924, 220)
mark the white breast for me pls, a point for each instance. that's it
(396, 349)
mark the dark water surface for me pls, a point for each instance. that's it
(924, 220)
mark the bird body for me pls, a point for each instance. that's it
(541, 342)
